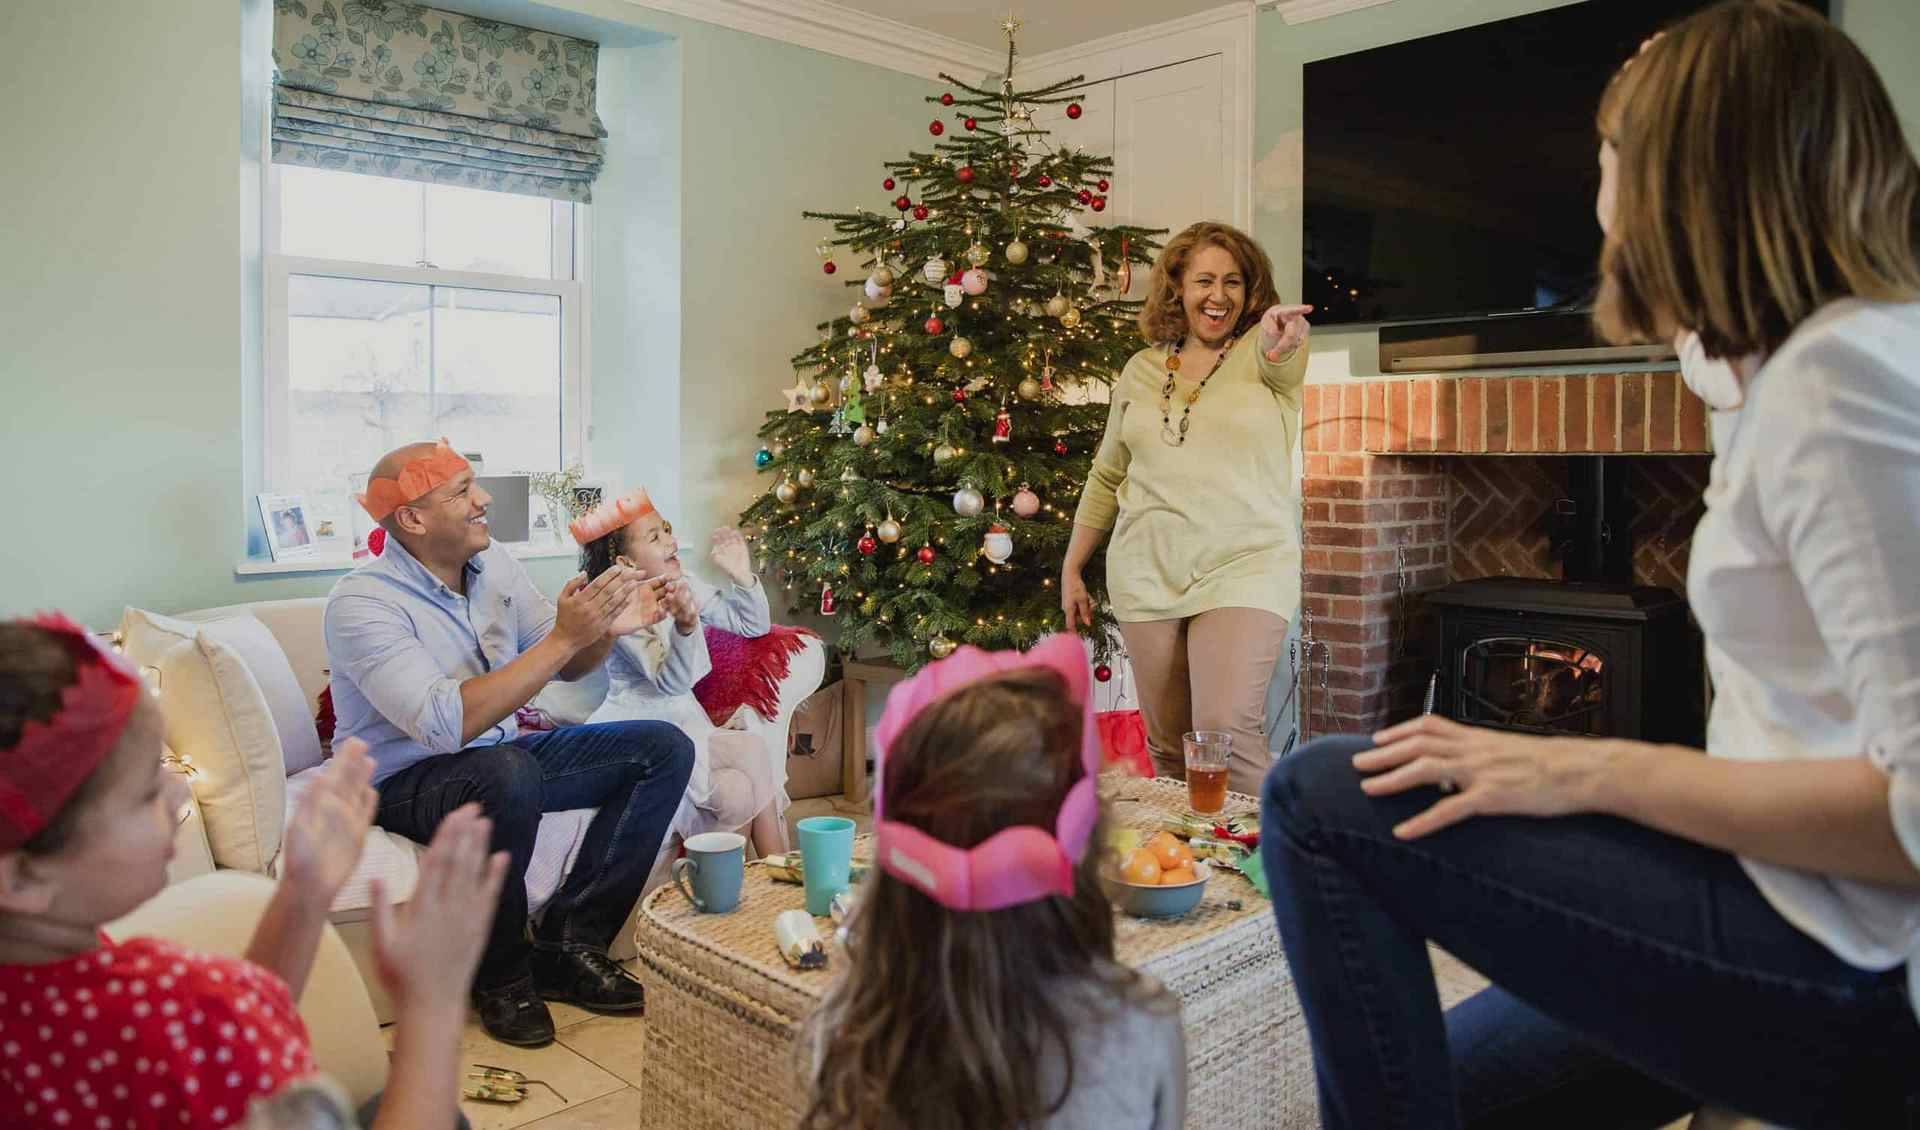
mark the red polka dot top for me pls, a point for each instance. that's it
(144, 1034)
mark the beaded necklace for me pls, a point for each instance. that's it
(1168, 434)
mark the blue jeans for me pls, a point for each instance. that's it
(633, 772)
(1637, 974)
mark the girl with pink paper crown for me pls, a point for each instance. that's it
(737, 779)
(983, 989)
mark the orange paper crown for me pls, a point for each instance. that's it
(611, 515)
(43, 770)
(420, 475)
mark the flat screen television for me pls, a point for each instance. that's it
(1453, 176)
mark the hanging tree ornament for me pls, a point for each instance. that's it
(934, 325)
(889, 529)
(998, 544)
(939, 647)
(819, 394)
(960, 347)
(974, 281)
(1070, 318)
(924, 555)
(1046, 370)
(762, 457)
(967, 502)
(786, 492)
(977, 254)
(1016, 252)
(1002, 424)
(934, 270)
(873, 379)
(960, 395)
(800, 396)
(1059, 446)
(867, 545)
(877, 295)
(1123, 274)
(953, 294)
(1029, 389)
(1057, 305)
(943, 454)
(1025, 503)
(859, 313)
(828, 606)
(882, 277)
(863, 435)
(804, 476)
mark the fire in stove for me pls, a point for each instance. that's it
(1534, 684)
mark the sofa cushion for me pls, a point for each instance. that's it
(148, 634)
(217, 718)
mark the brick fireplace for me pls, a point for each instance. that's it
(1413, 483)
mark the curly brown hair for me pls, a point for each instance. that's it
(951, 1019)
(1761, 173)
(1163, 317)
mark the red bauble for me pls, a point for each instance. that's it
(1099, 204)
(920, 211)
(887, 184)
(936, 127)
(964, 174)
(1086, 196)
(946, 98)
(959, 395)
(971, 124)
(1046, 181)
(828, 267)
(1073, 110)
(1103, 673)
(1103, 185)
(901, 202)
(1059, 447)
(866, 546)
(925, 555)
(935, 325)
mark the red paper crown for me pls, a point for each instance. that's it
(42, 771)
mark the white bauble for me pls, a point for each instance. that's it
(967, 502)
(934, 271)
(1057, 305)
(876, 294)
(944, 454)
(862, 436)
(786, 491)
(889, 531)
(997, 545)
(974, 281)
(804, 476)
(882, 427)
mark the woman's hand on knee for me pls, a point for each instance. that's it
(1482, 772)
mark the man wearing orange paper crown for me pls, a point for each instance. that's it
(434, 645)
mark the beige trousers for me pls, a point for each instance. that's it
(1207, 672)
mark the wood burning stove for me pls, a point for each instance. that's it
(1570, 657)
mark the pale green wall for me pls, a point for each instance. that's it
(122, 286)
(1889, 31)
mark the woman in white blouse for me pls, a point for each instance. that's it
(1664, 928)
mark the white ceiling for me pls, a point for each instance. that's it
(1046, 25)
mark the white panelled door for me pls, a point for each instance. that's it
(1168, 155)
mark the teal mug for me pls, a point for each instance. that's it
(826, 860)
(711, 871)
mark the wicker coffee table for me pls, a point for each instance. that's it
(723, 1008)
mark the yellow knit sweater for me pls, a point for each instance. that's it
(1213, 523)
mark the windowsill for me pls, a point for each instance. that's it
(259, 568)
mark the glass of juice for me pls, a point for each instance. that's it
(1207, 752)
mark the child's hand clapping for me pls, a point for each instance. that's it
(644, 608)
(730, 556)
(682, 605)
(323, 839)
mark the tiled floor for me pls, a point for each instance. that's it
(595, 1062)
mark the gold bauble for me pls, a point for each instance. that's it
(959, 347)
(978, 255)
(820, 393)
(1057, 305)
(862, 436)
(859, 313)
(943, 454)
(881, 277)
(804, 476)
(889, 531)
(940, 647)
(1070, 318)
(1016, 252)
(786, 491)
(1029, 389)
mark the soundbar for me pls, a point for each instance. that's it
(1506, 341)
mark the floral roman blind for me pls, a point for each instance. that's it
(404, 90)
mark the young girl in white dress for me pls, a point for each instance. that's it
(651, 672)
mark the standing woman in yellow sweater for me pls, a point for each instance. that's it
(1194, 479)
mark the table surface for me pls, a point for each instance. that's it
(745, 934)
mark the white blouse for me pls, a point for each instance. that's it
(1805, 577)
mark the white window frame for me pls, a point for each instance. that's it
(569, 243)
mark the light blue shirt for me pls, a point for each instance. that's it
(400, 643)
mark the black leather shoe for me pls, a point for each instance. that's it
(515, 1014)
(587, 978)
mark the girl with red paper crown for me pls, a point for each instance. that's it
(139, 1032)
(982, 989)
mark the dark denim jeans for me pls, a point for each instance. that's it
(1638, 974)
(633, 772)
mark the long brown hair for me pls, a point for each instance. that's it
(1163, 317)
(1762, 173)
(952, 1019)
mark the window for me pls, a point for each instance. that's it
(401, 311)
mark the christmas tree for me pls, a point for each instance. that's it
(924, 472)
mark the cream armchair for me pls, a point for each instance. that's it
(239, 687)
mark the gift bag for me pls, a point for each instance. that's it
(1123, 740)
(813, 745)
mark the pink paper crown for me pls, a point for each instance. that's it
(1015, 865)
(43, 770)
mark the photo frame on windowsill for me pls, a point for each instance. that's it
(289, 532)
